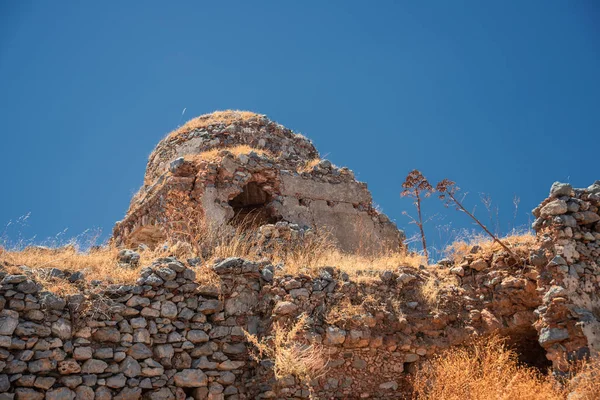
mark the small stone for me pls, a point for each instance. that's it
(167, 274)
(61, 393)
(561, 189)
(190, 378)
(116, 381)
(555, 207)
(5, 383)
(285, 308)
(41, 382)
(334, 336)
(107, 334)
(139, 351)
(391, 385)
(197, 336)
(168, 310)
(93, 367)
(479, 265)
(84, 393)
(67, 367)
(130, 367)
(129, 393)
(550, 336)
(8, 322)
(128, 258)
(28, 394)
(41, 366)
(82, 353)
(62, 329)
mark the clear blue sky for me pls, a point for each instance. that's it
(502, 97)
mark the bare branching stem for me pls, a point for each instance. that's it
(463, 209)
(420, 225)
(416, 186)
(447, 190)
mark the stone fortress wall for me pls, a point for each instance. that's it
(169, 336)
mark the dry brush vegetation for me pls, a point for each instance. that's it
(488, 369)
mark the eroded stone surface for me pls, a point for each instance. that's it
(273, 183)
(176, 338)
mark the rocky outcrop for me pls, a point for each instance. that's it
(277, 176)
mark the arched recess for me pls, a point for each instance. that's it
(251, 207)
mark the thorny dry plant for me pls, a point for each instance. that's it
(289, 354)
(343, 312)
(489, 369)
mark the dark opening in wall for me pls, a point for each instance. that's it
(525, 343)
(250, 207)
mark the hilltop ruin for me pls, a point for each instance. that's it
(239, 165)
(190, 328)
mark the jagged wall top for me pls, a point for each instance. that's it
(222, 129)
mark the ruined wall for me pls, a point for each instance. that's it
(568, 224)
(169, 336)
(226, 129)
(178, 334)
(324, 197)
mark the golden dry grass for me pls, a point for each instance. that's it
(486, 370)
(308, 165)
(307, 255)
(290, 355)
(212, 242)
(218, 117)
(518, 243)
(100, 264)
(215, 154)
(430, 291)
(585, 383)
(342, 312)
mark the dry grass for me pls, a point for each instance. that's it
(307, 255)
(100, 264)
(308, 165)
(430, 292)
(215, 154)
(518, 243)
(218, 117)
(585, 384)
(210, 242)
(343, 312)
(487, 370)
(290, 356)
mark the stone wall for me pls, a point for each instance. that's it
(170, 337)
(178, 332)
(568, 224)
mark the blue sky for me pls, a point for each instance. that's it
(502, 97)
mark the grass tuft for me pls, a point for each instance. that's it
(218, 117)
(290, 355)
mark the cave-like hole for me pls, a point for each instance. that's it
(525, 343)
(250, 207)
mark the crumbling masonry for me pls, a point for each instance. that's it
(279, 177)
(174, 334)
